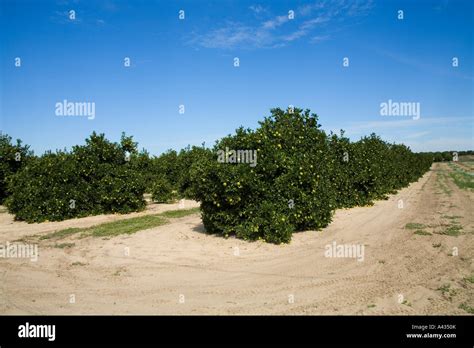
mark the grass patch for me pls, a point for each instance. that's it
(422, 233)
(414, 226)
(441, 181)
(451, 217)
(437, 245)
(463, 180)
(179, 213)
(444, 288)
(466, 308)
(406, 303)
(64, 245)
(22, 240)
(125, 226)
(371, 306)
(447, 292)
(77, 263)
(469, 279)
(453, 227)
(61, 233)
(453, 230)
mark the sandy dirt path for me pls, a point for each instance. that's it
(179, 269)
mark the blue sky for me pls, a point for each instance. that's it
(190, 62)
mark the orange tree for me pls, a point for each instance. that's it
(12, 158)
(297, 179)
(286, 188)
(94, 178)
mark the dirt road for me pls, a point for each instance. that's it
(178, 269)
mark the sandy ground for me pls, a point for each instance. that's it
(179, 269)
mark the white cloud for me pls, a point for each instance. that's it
(409, 122)
(441, 144)
(231, 35)
(425, 134)
(258, 9)
(305, 29)
(417, 135)
(319, 38)
(275, 22)
(279, 30)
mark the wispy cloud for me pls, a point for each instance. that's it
(441, 144)
(82, 15)
(305, 28)
(417, 135)
(230, 35)
(407, 60)
(319, 38)
(408, 123)
(272, 31)
(275, 22)
(63, 17)
(258, 9)
(425, 134)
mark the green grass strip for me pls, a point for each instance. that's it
(467, 308)
(125, 226)
(422, 233)
(179, 213)
(62, 233)
(470, 279)
(414, 226)
(453, 230)
(462, 180)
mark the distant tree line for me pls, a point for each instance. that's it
(446, 156)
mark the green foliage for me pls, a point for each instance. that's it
(92, 179)
(175, 169)
(166, 166)
(141, 163)
(185, 160)
(371, 168)
(447, 156)
(296, 180)
(161, 191)
(288, 189)
(300, 177)
(12, 159)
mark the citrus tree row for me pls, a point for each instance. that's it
(96, 178)
(287, 175)
(301, 175)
